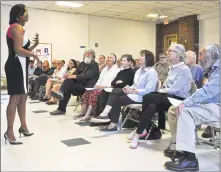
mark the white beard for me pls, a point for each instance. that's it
(87, 60)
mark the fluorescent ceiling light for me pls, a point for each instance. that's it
(152, 15)
(69, 4)
(156, 16)
(163, 17)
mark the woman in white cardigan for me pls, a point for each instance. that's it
(89, 98)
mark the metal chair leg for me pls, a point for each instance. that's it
(197, 139)
(213, 138)
(125, 119)
(170, 144)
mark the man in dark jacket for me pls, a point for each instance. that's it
(85, 76)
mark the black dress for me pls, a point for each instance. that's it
(16, 67)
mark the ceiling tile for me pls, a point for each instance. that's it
(57, 8)
(36, 4)
(144, 3)
(136, 10)
(108, 13)
(131, 4)
(99, 4)
(87, 7)
(10, 2)
(122, 8)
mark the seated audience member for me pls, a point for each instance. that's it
(196, 70)
(133, 65)
(31, 67)
(119, 63)
(85, 76)
(89, 98)
(124, 77)
(54, 64)
(137, 63)
(57, 78)
(31, 79)
(177, 85)
(202, 107)
(162, 67)
(42, 79)
(102, 63)
(63, 62)
(72, 65)
(145, 81)
(38, 70)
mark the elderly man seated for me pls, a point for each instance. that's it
(85, 76)
(202, 107)
(196, 70)
(177, 85)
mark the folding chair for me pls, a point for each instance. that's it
(213, 125)
(137, 107)
(78, 103)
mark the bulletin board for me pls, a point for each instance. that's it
(44, 52)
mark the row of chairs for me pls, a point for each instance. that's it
(138, 107)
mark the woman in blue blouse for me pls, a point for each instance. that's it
(145, 81)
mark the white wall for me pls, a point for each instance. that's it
(209, 32)
(67, 32)
(121, 36)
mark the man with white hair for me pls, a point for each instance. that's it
(177, 85)
(202, 107)
(196, 70)
(85, 76)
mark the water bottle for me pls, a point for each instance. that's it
(119, 122)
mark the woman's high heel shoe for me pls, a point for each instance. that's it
(25, 133)
(11, 142)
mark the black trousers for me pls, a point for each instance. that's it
(101, 102)
(41, 80)
(152, 103)
(70, 87)
(117, 99)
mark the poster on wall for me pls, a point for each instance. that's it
(44, 52)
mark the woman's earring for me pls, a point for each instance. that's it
(17, 18)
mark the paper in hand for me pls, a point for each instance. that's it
(174, 102)
(109, 90)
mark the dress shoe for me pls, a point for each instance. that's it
(57, 112)
(58, 95)
(182, 164)
(107, 129)
(172, 153)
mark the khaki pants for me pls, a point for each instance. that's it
(183, 127)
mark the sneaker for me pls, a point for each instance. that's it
(131, 135)
(100, 119)
(58, 95)
(134, 143)
(57, 112)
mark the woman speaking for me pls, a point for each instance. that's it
(16, 69)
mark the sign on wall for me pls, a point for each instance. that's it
(44, 52)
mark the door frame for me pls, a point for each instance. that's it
(164, 46)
